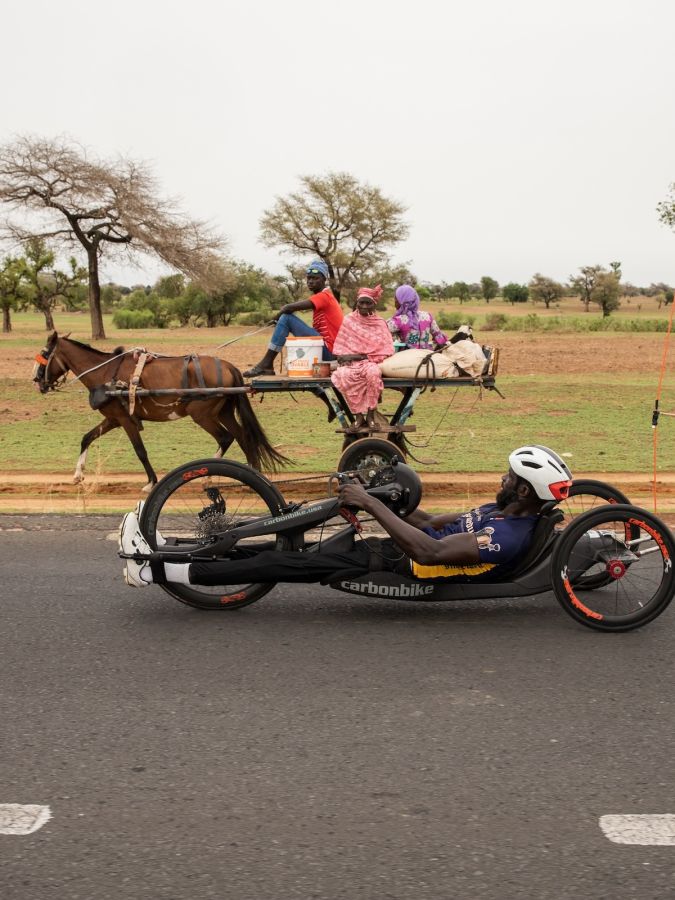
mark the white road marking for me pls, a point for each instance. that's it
(19, 818)
(646, 830)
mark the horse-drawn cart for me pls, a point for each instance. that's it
(367, 448)
(129, 387)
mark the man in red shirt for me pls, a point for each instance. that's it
(326, 320)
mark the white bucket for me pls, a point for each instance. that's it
(301, 354)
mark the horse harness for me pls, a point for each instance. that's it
(143, 357)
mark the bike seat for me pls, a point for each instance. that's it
(543, 536)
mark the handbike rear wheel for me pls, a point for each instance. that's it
(202, 499)
(587, 494)
(612, 568)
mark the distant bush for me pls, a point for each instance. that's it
(134, 318)
(255, 317)
(496, 322)
(532, 322)
(450, 321)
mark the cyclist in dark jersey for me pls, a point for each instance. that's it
(486, 542)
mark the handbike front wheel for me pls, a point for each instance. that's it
(612, 568)
(204, 499)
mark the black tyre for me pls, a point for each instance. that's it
(368, 455)
(199, 500)
(585, 495)
(609, 581)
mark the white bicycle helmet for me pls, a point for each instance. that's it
(544, 470)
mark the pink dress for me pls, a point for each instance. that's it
(360, 382)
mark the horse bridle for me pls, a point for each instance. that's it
(41, 370)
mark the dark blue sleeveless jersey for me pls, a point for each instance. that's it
(502, 542)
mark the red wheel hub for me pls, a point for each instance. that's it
(616, 568)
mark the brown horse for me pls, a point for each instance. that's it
(226, 418)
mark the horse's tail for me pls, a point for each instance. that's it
(257, 449)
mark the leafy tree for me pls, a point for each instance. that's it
(584, 284)
(348, 224)
(545, 290)
(461, 290)
(596, 284)
(46, 285)
(77, 295)
(489, 288)
(111, 295)
(666, 208)
(104, 205)
(606, 292)
(12, 289)
(170, 286)
(144, 301)
(660, 291)
(241, 288)
(668, 296)
(515, 293)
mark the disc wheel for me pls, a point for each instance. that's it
(608, 582)
(203, 499)
(368, 455)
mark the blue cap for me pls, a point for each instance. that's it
(317, 267)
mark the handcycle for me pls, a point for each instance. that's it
(608, 563)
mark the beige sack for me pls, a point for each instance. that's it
(468, 355)
(444, 363)
(406, 364)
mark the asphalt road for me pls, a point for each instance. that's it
(316, 745)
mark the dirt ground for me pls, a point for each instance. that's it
(520, 354)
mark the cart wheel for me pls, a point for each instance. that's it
(199, 500)
(608, 581)
(367, 455)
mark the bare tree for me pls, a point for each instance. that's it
(57, 191)
(346, 223)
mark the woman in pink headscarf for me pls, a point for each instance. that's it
(362, 342)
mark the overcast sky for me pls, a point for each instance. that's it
(522, 136)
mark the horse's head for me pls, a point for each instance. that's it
(50, 369)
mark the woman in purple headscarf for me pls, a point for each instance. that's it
(410, 325)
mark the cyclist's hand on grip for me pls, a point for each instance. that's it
(353, 494)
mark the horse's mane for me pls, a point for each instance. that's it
(115, 352)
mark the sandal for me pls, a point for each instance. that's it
(256, 370)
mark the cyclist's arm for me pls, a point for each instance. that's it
(456, 548)
(419, 519)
